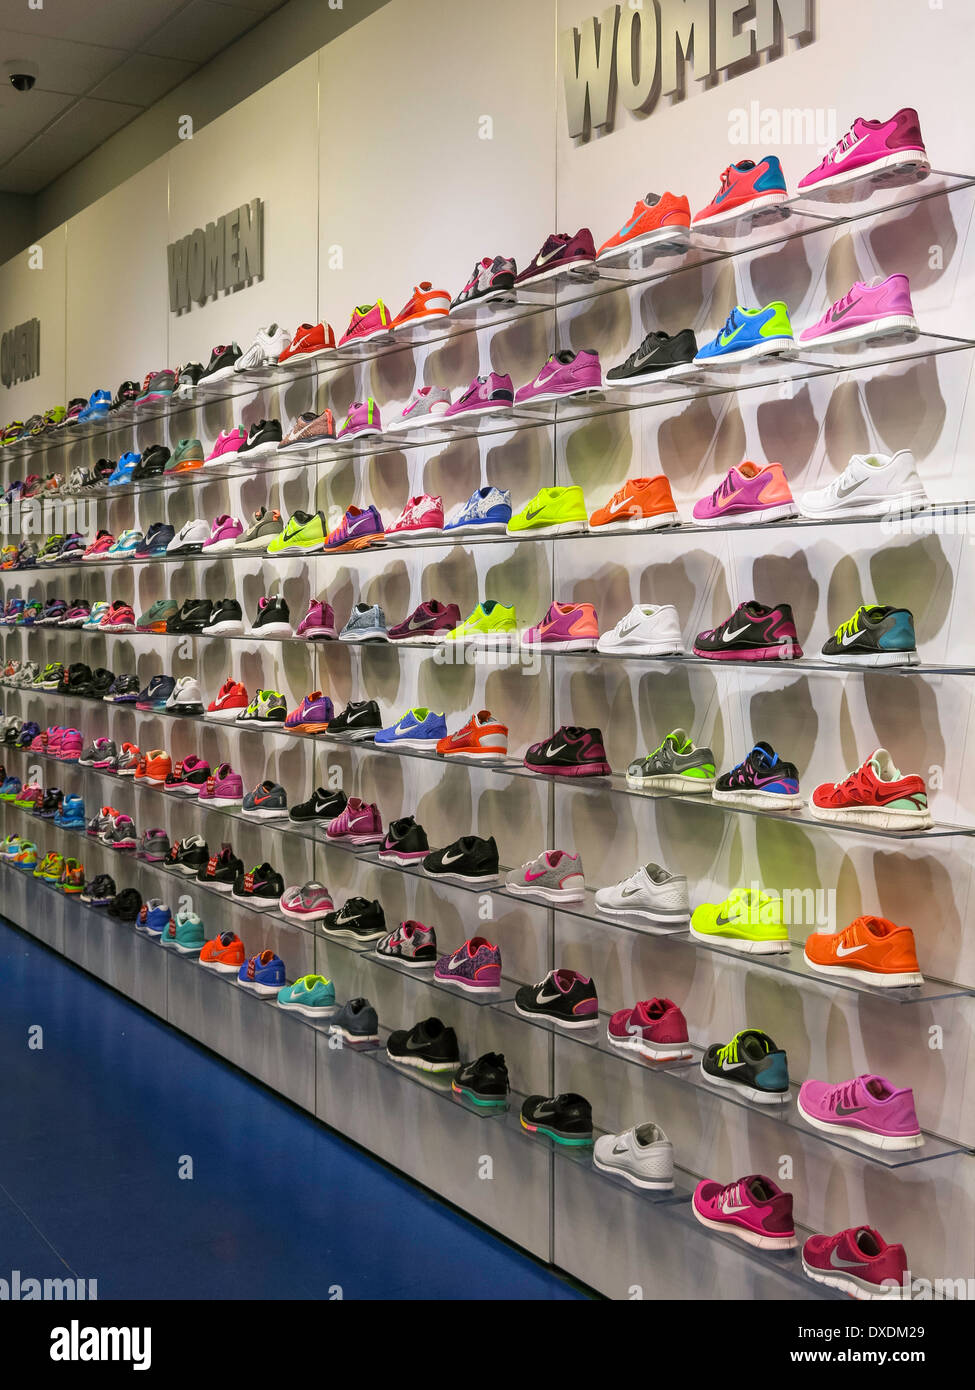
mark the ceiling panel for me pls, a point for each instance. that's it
(63, 66)
(28, 113)
(143, 78)
(114, 23)
(199, 31)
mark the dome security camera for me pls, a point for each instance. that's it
(21, 73)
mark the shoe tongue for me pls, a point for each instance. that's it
(651, 199)
(745, 164)
(763, 753)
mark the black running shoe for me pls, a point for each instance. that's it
(152, 464)
(154, 542)
(273, 618)
(751, 1065)
(359, 720)
(51, 804)
(259, 885)
(79, 678)
(193, 617)
(127, 394)
(563, 997)
(98, 687)
(657, 357)
(321, 806)
(357, 920)
(221, 870)
(567, 1118)
(124, 691)
(126, 906)
(189, 377)
(430, 1046)
(752, 633)
(876, 635)
(226, 619)
(571, 752)
(484, 1081)
(262, 439)
(763, 779)
(99, 891)
(189, 855)
(468, 860)
(221, 364)
(405, 843)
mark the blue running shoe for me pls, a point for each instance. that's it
(127, 545)
(485, 513)
(264, 974)
(10, 789)
(418, 728)
(155, 541)
(97, 407)
(312, 995)
(72, 814)
(123, 469)
(156, 693)
(749, 333)
(154, 917)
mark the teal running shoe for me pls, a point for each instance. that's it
(312, 995)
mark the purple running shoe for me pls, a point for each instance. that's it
(224, 787)
(474, 967)
(486, 395)
(430, 620)
(868, 1108)
(358, 529)
(565, 374)
(560, 253)
(867, 312)
(749, 492)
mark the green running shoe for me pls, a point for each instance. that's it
(558, 511)
(676, 766)
(749, 920)
(303, 535)
(490, 622)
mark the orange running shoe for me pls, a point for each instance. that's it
(871, 950)
(154, 767)
(641, 504)
(483, 737)
(426, 304)
(310, 340)
(656, 221)
(224, 953)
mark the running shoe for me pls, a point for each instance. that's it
(425, 305)
(405, 843)
(312, 716)
(660, 220)
(468, 860)
(264, 526)
(491, 623)
(318, 623)
(642, 1156)
(359, 721)
(676, 766)
(427, 623)
(154, 846)
(222, 871)
(417, 728)
(224, 787)
(654, 1028)
(310, 340)
(647, 630)
(262, 974)
(746, 188)
(876, 635)
(482, 738)
(188, 776)
(570, 752)
(566, 627)
(154, 767)
(309, 430)
(428, 1046)
(411, 945)
(366, 623)
(184, 933)
(749, 493)
(560, 254)
(474, 967)
(273, 618)
(641, 504)
(421, 519)
(484, 1082)
(874, 312)
(223, 360)
(485, 513)
(229, 702)
(368, 322)
(555, 876)
(747, 334)
(870, 483)
(311, 995)
(322, 806)
(268, 801)
(426, 406)
(118, 617)
(363, 421)
(356, 1021)
(226, 620)
(309, 903)
(565, 1119)
(267, 710)
(876, 795)
(565, 374)
(487, 395)
(225, 953)
(750, 1065)
(651, 895)
(155, 542)
(264, 350)
(563, 997)
(554, 511)
(357, 920)
(869, 1109)
(303, 534)
(263, 441)
(226, 449)
(658, 358)
(752, 633)
(749, 920)
(884, 148)
(755, 1209)
(359, 529)
(859, 1262)
(189, 855)
(492, 281)
(763, 779)
(186, 697)
(870, 950)
(224, 532)
(360, 824)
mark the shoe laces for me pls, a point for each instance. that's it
(728, 1053)
(842, 303)
(726, 486)
(841, 145)
(843, 1094)
(852, 625)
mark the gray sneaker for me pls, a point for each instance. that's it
(555, 876)
(357, 1021)
(154, 845)
(644, 1156)
(676, 766)
(264, 527)
(411, 944)
(367, 623)
(266, 802)
(426, 405)
(652, 894)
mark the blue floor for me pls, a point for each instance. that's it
(92, 1128)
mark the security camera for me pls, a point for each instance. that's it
(21, 73)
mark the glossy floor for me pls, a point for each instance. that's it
(95, 1124)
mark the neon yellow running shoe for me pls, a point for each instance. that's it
(490, 622)
(50, 867)
(26, 855)
(748, 920)
(558, 511)
(303, 535)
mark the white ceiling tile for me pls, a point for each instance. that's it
(199, 31)
(143, 78)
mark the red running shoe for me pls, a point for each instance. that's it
(859, 1261)
(310, 340)
(754, 1209)
(875, 795)
(655, 1028)
(746, 187)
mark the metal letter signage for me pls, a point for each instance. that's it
(227, 255)
(20, 353)
(647, 50)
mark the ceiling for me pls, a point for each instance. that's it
(101, 63)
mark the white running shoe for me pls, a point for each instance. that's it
(647, 630)
(869, 483)
(264, 351)
(644, 1156)
(187, 697)
(652, 894)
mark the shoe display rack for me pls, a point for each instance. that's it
(810, 412)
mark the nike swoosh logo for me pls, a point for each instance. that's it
(552, 752)
(530, 515)
(626, 505)
(837, 1261)
(544, 260)
(732, 1066)
(838, 314)
(845, 154)
(725, 339)
(451, 858)
(722, 921)
(543, 381)
(455, 962)
(850, 1109)
(730, 635)
(414, 1046)
(849, 950)
(730, 1209)
(849, 638)
(546, 998)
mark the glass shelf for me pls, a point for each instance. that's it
(784, 1113)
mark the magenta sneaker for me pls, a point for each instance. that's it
(422, 516)
(314, 714)
(560, 253)
(54, 737)
(486, 395)
(359, 528)
(358, 824)
(69, 747)
(868, 1108)
(318, 622)
(224, 787)
(880, 309)
(871, 147)
(77, 614)
(564, 374)
(363, 419)
(859, 1261)
(369, 321)
(750, 492)
(754, 1209)
(226, 448)
(118, 617)
(223, 534)
(654, 1028)
(474, 967)
(430, 620)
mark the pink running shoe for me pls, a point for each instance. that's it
(486, 395)
(750, 492)
(39, 742)
(754, 1209)
(318, 622)
(872, 147)
(859, 1261)
(867, 1108)
(225, 448)
(474, 967)
(309, 903)
(362, 420)
(867, 312)
(100, 546)
(566, 627)
(358, 824)
(69, 749)
(54, 737)
(223, 534)
(564, 374)
(422, 516)
(655, 1028)
(224, 787)
(368, 321)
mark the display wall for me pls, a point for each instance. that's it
(419, 194)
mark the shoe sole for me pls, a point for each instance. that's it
(878, 819)
(856, 1288)
(223, 716)
(574, 1025)
(767, 801)
(779, 346)
(758, 204)
(278, 630)
(902, 159)
(580, 770)
(647, 1184)
(677, 237)
(874, 659)
(406, 962)
(576, 644)
(889, 1143)
(421, 1064)
(750, 1237)
(783, 651)
(743, 944)
(228, 629)
(549, 895)
(675, 1052)
(898, 980)
(346, 934)
(754, 517)
(750, 1092)
(640, 523)
(574, 1141)
(900, 326)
